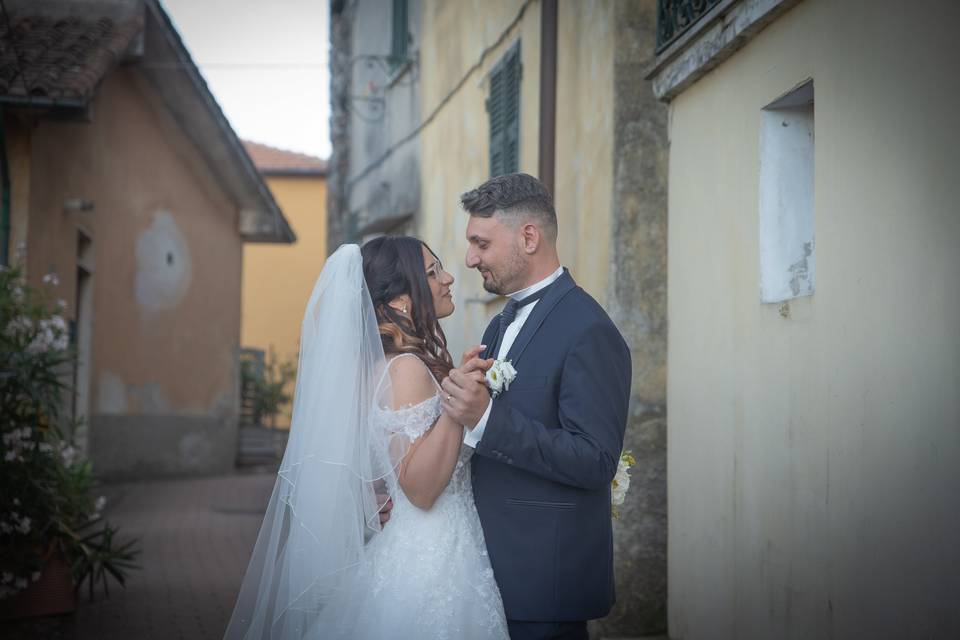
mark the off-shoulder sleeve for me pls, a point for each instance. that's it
(409, 399)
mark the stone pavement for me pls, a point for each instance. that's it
(196, 536)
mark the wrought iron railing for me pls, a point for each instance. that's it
(674, 17)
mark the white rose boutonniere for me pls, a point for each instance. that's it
(621, 482)
(499, 377)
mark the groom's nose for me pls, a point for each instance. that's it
(472, 259)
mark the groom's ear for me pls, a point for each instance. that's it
(531, 237)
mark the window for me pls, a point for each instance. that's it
(786, 197)
(503, 105)
(398, 48)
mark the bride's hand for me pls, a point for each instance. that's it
(471, 362)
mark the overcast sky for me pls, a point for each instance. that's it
(266, 64)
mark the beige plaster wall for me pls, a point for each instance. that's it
(584, 152)
(167, 258)
(813, 458)
(455, 146)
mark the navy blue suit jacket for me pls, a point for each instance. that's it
(542, 471)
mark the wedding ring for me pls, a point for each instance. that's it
(449, 397)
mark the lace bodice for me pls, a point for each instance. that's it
(413, 421)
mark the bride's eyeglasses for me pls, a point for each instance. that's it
(435, 269)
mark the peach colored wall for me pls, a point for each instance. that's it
(167, 255)
(17, 134)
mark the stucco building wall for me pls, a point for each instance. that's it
(167, 251)
(456, 145)
(278, 279)
(813, 447)
(382, 186)
(455, 148)
(584, 164)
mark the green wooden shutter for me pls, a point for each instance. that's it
(398, 47)
(503, 106)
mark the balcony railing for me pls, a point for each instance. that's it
(674, 17)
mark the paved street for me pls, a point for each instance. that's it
(196, 536)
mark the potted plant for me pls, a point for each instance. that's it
(269, 384)
(52, 538)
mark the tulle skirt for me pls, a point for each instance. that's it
(426, 576)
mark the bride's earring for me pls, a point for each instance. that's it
(404, 310)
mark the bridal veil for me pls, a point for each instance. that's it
(338, 468)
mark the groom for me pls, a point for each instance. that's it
(548, 446)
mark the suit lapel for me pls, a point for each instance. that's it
(488, 336)
(558, 290)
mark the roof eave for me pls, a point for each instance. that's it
(195, 109)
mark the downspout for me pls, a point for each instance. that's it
(548, 93)
(4, 197)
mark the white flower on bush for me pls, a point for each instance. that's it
(24, 526)
(68, 454)
(10, 456)
(621, 482)
(51, 335)
(17, 326)
(100, 503)
(51, 278)
(5, 527)
(499, 377)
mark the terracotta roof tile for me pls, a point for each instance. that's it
(59, 58)
(273, 161)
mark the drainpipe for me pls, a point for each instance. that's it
(4, 197)
(548, 92)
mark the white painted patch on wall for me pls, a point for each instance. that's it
(194, 449)
(163, 264)
(787, 258)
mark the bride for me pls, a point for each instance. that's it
(367, 432)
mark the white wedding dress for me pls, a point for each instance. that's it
(322, 566)
(427, 574)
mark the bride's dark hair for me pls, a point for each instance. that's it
(393, 266)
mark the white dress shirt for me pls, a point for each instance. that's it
(472, 436)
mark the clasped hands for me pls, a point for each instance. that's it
(465, 394)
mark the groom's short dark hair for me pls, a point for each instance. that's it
(513, 195)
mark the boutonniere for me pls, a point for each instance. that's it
(499, 377)
(621, 482)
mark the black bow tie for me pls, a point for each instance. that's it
(509, 313)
